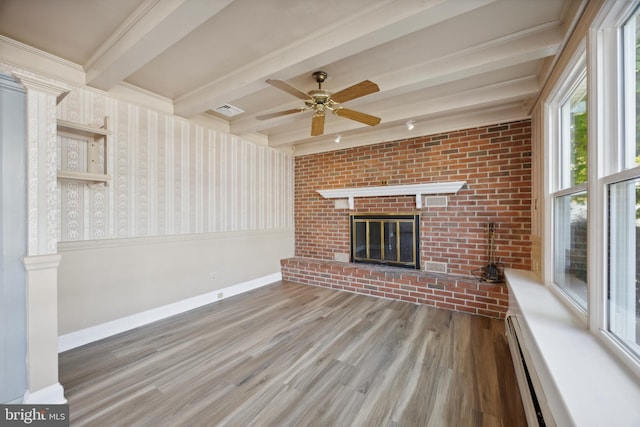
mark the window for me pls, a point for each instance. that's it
(592, 178)
(569, 187)
(622, 188)
(631, 62)
(624, 274)
(570, 246)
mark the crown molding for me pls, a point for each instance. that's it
(28, 57)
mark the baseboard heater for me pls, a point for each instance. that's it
(535, 408)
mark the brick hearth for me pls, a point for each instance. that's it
(450, 292)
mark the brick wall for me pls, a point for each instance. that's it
(495, 161)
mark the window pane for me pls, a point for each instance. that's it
(361, 239)
(570, 246)
(624, 278)
(375, 240)
(632, 91)
(390, 241)
(574, 137)
(407, 242)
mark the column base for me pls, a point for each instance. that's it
(53, 395)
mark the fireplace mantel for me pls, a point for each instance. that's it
(417, 190)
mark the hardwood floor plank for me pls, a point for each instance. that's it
(297, 355)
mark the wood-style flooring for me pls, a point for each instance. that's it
(296, 355)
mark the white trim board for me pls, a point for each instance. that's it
(105, 330)
(418, 190)
(117, 242)
(581, 382)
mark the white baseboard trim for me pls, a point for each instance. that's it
(52, 395)
(104, 330)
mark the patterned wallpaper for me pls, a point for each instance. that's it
(169, 176)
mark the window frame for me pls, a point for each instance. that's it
(608, 122)
(555, 175)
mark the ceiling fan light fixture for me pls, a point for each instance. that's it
(411, 124)
(321, 101)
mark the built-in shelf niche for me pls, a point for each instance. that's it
(417, 190)
(96, 172)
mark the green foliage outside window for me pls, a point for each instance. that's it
(579, 155)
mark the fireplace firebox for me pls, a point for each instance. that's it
(390, 239)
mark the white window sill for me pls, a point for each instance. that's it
(582, 383)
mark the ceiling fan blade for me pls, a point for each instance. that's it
(356, 91)
(317, 124)
(357, 116)
(282, 85)
(280, 113)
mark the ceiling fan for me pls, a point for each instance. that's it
(321, 101)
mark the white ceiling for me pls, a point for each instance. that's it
(437, 62)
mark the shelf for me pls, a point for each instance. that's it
(81, 130)
(94, 136)
(83, 176)
(417, 190)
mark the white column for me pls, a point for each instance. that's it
(42, 260)
(42, 330)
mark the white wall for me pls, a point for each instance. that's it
(101, 281)
(207, 202)
(185, 201)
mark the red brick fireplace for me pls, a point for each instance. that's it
(495, 163)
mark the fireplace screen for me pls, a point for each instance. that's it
(386, 239)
